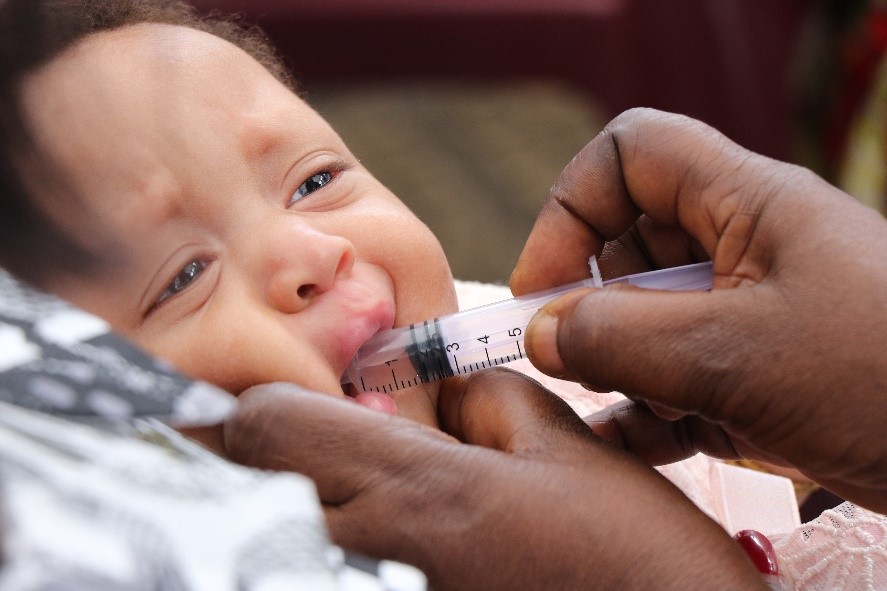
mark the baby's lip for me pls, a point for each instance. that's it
(357, 327)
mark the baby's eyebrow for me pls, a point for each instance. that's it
(258, 140)
(153, 206)
(258, 146)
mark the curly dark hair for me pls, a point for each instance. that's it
(32, 33)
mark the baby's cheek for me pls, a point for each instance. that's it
(244, 368)
(214, 360)
(409, 252)
(240, 351)
(426, 273)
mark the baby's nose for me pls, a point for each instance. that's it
(308, 272)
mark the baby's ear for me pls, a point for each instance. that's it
(58, 359)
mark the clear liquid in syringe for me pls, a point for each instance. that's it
(480, 338)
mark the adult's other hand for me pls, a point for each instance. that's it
(530, 500)
(784, 360)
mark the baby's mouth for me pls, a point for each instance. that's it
(355, 328)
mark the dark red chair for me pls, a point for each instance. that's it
(726, 62)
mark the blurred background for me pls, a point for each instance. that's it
(468, 109)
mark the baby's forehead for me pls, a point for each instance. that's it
(146, 113)
(140, 79)
(117, 110)
(116, 58)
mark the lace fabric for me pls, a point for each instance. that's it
(844, 548)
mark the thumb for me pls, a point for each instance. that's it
(677, 349)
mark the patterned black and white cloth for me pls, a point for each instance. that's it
(58, 359)
(98, 493)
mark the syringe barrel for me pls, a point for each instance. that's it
(494, 334)
(482, 337)
(450, 345)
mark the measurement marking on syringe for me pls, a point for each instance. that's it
(429, 346)
(443, 372)
(491, 362)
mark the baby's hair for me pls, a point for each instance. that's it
(32, 33)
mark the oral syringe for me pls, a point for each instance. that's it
(483, 337)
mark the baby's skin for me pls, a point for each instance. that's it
(236, 235)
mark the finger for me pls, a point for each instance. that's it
(648, 246)
(282, 427)
(562, 239)
(705, 354)
(366, 466)
(636, 428)
(676, 170)
(506, 410)
(683, 350)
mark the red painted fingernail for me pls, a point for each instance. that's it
(759, 549)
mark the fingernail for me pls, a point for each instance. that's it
(760, 550)
(541, 344)
(607, 430)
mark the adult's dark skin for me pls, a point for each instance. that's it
(785, 360)
(517, 494)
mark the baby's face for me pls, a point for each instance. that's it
(249, 244)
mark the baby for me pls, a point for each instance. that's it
(214, 218)
(231, 231)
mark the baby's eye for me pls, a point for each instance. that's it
(312, 184)
(188, 274)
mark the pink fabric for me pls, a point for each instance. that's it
(844, 549)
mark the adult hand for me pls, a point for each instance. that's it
(784, 360)
(544, 504)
